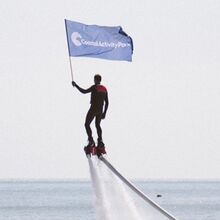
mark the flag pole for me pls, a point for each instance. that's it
(71, 67)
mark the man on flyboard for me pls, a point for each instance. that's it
(99, 98)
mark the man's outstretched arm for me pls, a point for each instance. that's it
(106, 106)
(81, 89)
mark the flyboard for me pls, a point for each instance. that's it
(100, 152)
(93, 150)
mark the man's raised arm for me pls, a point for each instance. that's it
(81, 89)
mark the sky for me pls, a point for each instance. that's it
(163, 120)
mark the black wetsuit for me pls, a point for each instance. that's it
(99, 96)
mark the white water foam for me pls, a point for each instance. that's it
(114, 200)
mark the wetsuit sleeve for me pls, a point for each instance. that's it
(84, 91)
(106, 103)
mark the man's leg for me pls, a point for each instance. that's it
(89, 117)
(98, 127)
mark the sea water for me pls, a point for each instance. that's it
(65, 200)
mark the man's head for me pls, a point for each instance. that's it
(97, 79)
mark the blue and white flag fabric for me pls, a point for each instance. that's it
(103, 42)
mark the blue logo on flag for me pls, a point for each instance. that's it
(103, 42)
